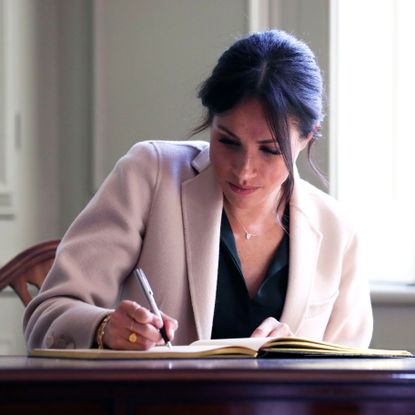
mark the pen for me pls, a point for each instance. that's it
(148, 292)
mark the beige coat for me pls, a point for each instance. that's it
(161, 208)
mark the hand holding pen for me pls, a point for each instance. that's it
(148, 292)
(132, 326)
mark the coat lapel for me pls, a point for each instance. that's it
(202, 203)
(305, 242)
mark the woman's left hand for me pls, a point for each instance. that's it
(271, 327)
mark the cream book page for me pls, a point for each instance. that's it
(158, 352)
(302, 346)
(240, 347)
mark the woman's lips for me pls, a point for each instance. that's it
(242, 190)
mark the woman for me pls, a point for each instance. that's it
(233, 242)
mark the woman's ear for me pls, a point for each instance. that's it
(302, 144)
(312, 134)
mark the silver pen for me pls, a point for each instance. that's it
(148, 292)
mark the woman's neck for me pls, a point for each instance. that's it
(254, 221)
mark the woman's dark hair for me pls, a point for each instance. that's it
(282, 73)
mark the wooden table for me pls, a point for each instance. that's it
(214, 387)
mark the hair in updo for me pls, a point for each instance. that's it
(282, 73)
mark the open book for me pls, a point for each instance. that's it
(243, 347)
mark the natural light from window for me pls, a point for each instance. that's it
(374, 82)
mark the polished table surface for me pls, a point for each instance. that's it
(207, 386)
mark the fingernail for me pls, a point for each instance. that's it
(170, 334)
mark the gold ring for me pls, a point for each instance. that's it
(132, 338)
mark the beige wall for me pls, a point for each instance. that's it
(30, 125)
(150, 57)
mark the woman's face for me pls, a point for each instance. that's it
(247, 162)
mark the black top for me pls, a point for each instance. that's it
(236, 314)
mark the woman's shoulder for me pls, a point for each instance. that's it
(317, 195)
(321, 207)
(152, 153)
(174, 150)
(159, 159)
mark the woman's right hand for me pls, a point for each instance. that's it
(130, 318)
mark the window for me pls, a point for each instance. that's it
(372, 103)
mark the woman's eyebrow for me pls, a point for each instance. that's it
(265, 141)
(221, 127)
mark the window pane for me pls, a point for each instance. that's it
(375, 140)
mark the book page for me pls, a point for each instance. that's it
(302, 346)
(240, 347)
(157, 352)
(254, 343)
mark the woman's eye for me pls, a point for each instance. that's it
(269, 150)
(228, 141)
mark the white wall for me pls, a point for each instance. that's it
(31, 125)
(74, 62)
(31, 131)
(150, 57)
(394, 311)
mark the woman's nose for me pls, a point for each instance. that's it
(245, 166)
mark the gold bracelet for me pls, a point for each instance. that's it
(101, 331)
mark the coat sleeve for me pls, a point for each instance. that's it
(351, 320)
(96, 254)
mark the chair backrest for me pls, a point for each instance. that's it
(28, 268)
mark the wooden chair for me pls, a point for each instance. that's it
(28, 268)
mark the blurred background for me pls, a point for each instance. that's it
(83, 80)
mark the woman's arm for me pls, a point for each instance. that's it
(99, 250)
